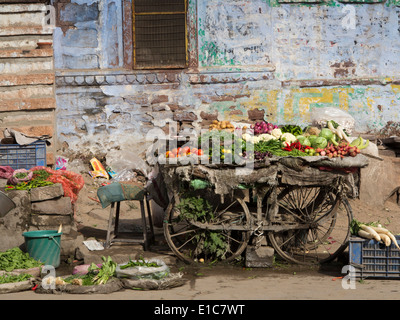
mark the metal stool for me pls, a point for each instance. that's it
(114, 236)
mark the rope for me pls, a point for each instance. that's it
(259, 233)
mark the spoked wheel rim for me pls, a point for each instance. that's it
(325, 220)
(192, 242)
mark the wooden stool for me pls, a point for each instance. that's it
(114, 236)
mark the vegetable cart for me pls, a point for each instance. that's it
(297, 205)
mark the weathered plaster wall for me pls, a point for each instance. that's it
(249, 60)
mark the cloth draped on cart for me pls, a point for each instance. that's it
(301, 171)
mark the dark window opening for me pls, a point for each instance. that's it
(159, 34)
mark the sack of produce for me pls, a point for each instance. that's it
(173, 280)
(142, 269)
(320, 117)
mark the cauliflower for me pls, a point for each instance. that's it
(277, 133)
(247, 137)
(256, 139)
(266, 137)
(288, 138)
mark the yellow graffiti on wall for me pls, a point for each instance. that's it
(300, 102)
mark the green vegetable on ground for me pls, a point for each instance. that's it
(11, 278)
(15, 258)
(138, 263)
(95, 275)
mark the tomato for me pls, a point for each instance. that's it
(200, 152)
(184, 150)
(174, 151)
(193, 150)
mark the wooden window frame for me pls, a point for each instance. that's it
(133, 15)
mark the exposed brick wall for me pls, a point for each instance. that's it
(27, 98)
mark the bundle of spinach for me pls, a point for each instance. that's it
(95, 275)
(15, 258)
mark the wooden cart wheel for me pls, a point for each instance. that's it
(216, 240)
(325, 218)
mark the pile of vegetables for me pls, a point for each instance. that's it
(13, 278)
(223, 145)
(263, 127)
(15, 258)
(33, 179)
(341, 150)
(96, 275)
(373, 231)
(222, 125)
(267, 140)
(139, 263)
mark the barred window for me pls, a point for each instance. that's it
(159, 34)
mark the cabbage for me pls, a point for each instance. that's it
(326, 133)
(319, 142)
(304, 141)
(312, 138)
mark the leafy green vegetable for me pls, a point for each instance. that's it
(207, 242)
(11, 278)
(14, 258)
(319, 142)
(138, 263)
(96, 275)
(104, 273)
(195, 208)
(326, 133)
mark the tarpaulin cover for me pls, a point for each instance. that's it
(120, 191)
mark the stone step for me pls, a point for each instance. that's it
(61, 206)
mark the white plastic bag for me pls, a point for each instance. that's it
(143, 272)
(320, 116)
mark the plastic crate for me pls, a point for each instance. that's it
(372, 259)
(23, 156)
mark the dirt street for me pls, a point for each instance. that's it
(236, 283)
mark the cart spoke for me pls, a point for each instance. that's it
(328, 218)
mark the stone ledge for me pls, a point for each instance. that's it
(46, 193)
(61, 206)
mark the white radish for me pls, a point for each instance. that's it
(343, 134)
(393, 238)
(365, 234)
(375, 234)
(380, 230)
(385, 239)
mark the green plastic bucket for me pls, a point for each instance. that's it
(44, 245)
